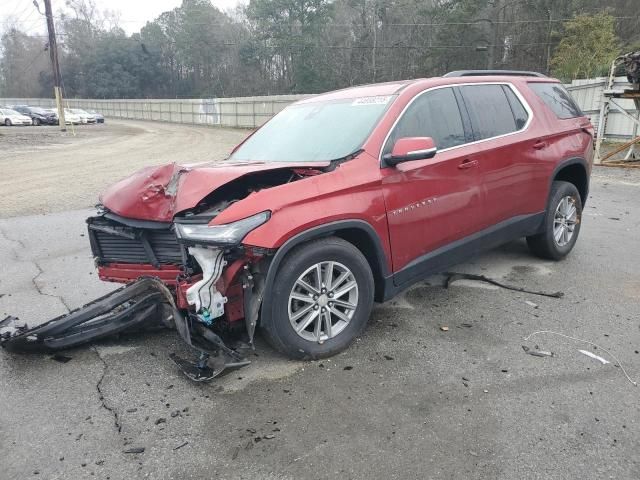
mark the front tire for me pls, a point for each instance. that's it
(561, 223)
(7, 122)
(36, 122)
(322, 299)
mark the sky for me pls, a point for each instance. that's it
(133, 13)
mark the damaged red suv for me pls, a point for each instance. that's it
(347, 198)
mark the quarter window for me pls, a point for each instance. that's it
(519, 112)
(491, 112)
(433, 114)
(557, 99)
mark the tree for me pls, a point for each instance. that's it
(23, 59)
(308, 46)
(588, 46)
(288, 33)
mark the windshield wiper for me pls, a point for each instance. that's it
(350, 156)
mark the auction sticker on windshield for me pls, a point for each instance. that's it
(378, 100)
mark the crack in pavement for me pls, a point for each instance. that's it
(18, 241)
(16, 256)
(41, 292)
(103, 402)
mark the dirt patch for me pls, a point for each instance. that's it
(45, 170)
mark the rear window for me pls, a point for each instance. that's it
(492, 112)
(557, 99)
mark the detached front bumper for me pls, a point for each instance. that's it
(142, 305)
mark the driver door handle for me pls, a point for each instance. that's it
(467, 163)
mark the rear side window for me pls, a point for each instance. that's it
(434, 114)
(491, 112)
(557, 99)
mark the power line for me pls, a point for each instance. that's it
(434, 24)
(345, 47)
(31, 63)
(18, 15)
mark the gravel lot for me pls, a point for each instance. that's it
(45, 170)
(406, 401)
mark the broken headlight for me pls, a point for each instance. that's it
(228, 234)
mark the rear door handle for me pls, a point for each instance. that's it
(467, 164)
(539, 145)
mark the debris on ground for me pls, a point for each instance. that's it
(444, 328)
(183, 444)
(619, 363)
(531, 304)
(144, 304)
(593, 355)
(454, 277)
(134, 450)
(61, 358)
(537, 353)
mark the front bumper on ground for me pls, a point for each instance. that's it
(144, 304)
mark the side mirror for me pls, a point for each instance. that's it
(410, 148)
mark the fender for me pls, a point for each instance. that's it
(566, 163)
(380, 261)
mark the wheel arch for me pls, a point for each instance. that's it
(357, 232)
(573, 170)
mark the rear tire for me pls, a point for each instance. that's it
(561, 223)
(36, 122)
(334, 311)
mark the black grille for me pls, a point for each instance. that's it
(133, 241)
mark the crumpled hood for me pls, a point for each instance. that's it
(158, 193)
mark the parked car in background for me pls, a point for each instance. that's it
(71, 118)
(85, 117)
(99, 116)
(10, 117)
(38, 115)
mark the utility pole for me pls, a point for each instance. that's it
(53, 53)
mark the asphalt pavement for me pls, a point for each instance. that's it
(438, 387)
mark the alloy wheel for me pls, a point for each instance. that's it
(565, 221)
(323, 301)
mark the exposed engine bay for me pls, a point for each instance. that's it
(206, 287)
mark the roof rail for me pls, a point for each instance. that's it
(479, 73)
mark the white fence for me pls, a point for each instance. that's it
(588, 95)
(249, 112)
(243, 112)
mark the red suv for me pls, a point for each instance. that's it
(349, 197)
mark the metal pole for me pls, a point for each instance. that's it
(53, 53)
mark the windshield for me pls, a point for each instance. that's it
(78, 111)
(315, 132)
(7, 111)
(37, 110)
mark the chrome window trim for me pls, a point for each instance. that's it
(515, 90)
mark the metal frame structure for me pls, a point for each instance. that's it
(609, 101)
